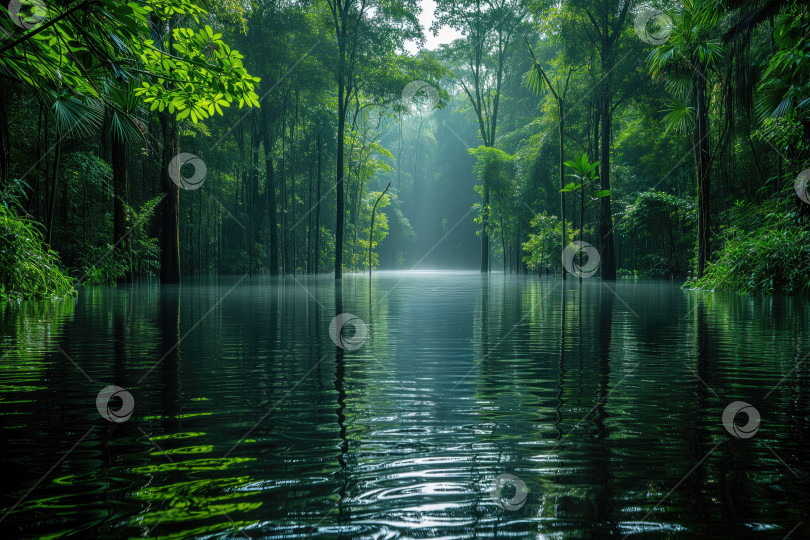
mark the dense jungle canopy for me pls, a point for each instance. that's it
(170, 138)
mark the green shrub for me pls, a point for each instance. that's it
(104, 265)
(543, 252)
(763, 251)
(28, 269)
(662, 228)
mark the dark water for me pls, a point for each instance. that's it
(605, 401)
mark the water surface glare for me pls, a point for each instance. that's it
(605, 401)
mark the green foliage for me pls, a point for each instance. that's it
(105, 265)
(662, 225)
(93, 70)
(496, 171)
(212, 75)
(360, 258)
(327, 254)
(693, 41)
(77, 48)
(86, 180)
(784, 99)
(764, 250)
(144, 251)
(585, 174)
(542, 250)
(494, 168)
(28, 268)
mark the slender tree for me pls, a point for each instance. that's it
(685, 60)
(364, 30)
(488, 27)
(605, 24)
(559, 96)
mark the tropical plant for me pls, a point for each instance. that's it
(542, 249)
(496, 173)
(28, 268)
(685, 60)
(774, 258)
(586, 177)
(104, 265)
(784, 93)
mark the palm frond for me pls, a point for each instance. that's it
(76, 116)
(679, 117)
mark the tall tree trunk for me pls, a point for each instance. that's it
(371, 231)
(285, 262)
(581, 222)
(309, 220)
(503, 242)
(596, 129)
(400, 146)
(339, 216)
(561, 114)
(42, 213)
(318, 211)
(293, 131)
(607, 251)
(255, 141)
(170, 215)
(489, 140)
(199, 232)
(253, 190)
(270, 194)
(51, 204)
(120, 172)
(32, 202)
(484, 233)
(702, 156)
(191, 267)
(356, 259)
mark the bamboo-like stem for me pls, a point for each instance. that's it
(371, 231)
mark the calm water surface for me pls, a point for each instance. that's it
(604, 400)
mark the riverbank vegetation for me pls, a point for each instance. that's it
(28, 268)
(170, 138)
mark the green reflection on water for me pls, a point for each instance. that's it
(210, 464)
